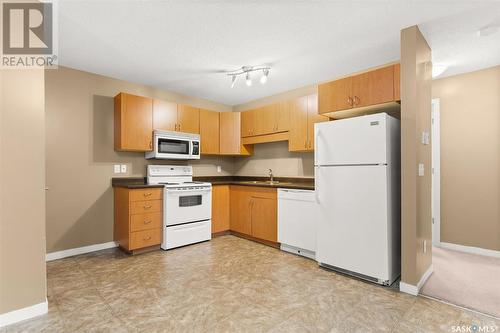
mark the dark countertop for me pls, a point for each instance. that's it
(284, 182)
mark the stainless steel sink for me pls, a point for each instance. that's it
(265, 182)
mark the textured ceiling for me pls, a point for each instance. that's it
(185, 46)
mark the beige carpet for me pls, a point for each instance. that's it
(464, 279)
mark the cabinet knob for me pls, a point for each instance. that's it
(356, 100)
(147, 238)
(147, 222)
(349, 100)
(147, 207)
(147, 194)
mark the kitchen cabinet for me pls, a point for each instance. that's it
(138, 216)
(209, 132)
(264, 216)
(220, 208)
(164, 115)
(188, 119)
(373, 87)
(366, 89)
(230, 135)
(397, 82)
(303, 116)
(240, 210)
(269, 119)
(254, 212)
(133, 123)
(168, 116)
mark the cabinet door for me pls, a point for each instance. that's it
(266, 120)
(164, 115)
(188, 119)
(397, 82)
(282, 117)
(335, 95)
(264, 218)
(230, 135)
(209, 132)
(220, 208)
(240, 210)
(298, 124)
(133, 123)
(374, 87)
(312, 118)
(247, 123)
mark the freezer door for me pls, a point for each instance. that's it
(360, 140)
(353, 219)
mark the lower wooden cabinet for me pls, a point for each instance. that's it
(254, 212)
(220, 208)
(138, 217)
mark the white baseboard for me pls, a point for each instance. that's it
(414, 290)
(470, 249)
(408, 288)
(79, 250)
(24, 313)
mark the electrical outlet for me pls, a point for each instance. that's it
(123, 168)
(425, 246)
(116, 168)
(219, 169)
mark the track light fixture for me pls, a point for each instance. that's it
(246, 70)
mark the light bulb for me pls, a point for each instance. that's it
(248, 80)
(263, 78)
(233, 81)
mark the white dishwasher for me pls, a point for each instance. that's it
(297, 219)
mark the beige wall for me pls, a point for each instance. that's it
(275, 156)
(416, 71)
(80, 155)
(470, 158)
(22, 197)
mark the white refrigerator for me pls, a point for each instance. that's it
(357, 183)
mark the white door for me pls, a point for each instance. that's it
(436, 174)
(360, 140)
(353, 221)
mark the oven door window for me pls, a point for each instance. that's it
(190, 200)
(173, 146)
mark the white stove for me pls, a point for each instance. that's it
(187, 205)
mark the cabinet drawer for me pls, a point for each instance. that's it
(145, 221)
(146, 194)
(141, 207)
(140, 239)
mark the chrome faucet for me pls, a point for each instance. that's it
(271, 175)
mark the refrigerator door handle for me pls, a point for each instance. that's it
(316, 184)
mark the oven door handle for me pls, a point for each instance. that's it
(180, 193)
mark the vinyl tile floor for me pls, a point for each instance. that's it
(227, 285)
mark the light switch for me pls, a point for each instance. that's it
(421, 169)
(426, 138)
(116, 168)
(123, 168)
(219, 169)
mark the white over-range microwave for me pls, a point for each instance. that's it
(175, 146)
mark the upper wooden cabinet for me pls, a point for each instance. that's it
(269, 119)
(397, 82)
(133, 123)
(188, 119)
(303, 116)
(170, 116)
(209, 132)
(164, 115)
(230, 135)
(366, 89)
